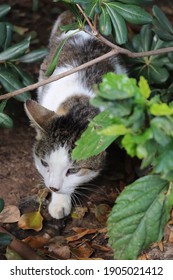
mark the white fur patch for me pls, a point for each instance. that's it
(52, 95)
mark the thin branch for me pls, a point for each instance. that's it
(60, 76)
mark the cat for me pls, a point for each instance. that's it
(63, 112)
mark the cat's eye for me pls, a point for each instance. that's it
(44, 163)
(71, 171)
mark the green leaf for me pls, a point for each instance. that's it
(144, 87)
(91, 143)
(9, 34)
(1, 204)
(33, 56)
(162, 19)
(3, 33)
(5, 239)
(105, 26)
(55, 59)
(119, 26)
(158, 75)
(5, 121)
(117, 87)
(15, 51)
(161, 109)
(164, 162)
(24, 76)
(114, 130)
(132, 225)
(131, 13)
(4, 9)
(11, 82)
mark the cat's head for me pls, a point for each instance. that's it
(55, 138)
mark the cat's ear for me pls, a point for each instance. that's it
(39, 116)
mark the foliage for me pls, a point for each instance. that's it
(142, 125)
(5, 238)
(12, 76)
(136, 113)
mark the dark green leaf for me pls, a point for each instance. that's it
(5, 239)
(105, 26)
(2, 33)
(158, 75)
(162, 19)
(11, 82)
(131, 13)
(4, 9)
(8, 39)
(1, 204)
(34, 56)
(55, 59)
(5, 121)
(118, 25)
(15, 51)
(24, 76)
(132, 225)
(2, 105)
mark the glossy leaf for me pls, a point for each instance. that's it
(105, 26)
(162, 20)
(131, 13)
(8, 39)
(4, 9)
(15, 51)
(132, 225)
(33, 56)
(24, 76)
(56, 56)
(2, 33)
(11, 82)
(119, 25)
(5, 121)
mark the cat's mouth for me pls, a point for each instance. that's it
(53, 189)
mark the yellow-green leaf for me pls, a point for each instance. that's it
(161, 110)
(144, 87)
(32, 220)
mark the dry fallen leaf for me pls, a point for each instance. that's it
(37, 241)
(81, 234)
(82, 252)
(32, 220)
(10, 214)
(101, 212)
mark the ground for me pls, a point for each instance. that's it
(83, 234)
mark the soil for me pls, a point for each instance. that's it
(20, 184)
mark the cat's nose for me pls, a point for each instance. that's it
(54, 189)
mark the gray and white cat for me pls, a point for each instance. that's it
(63, 112)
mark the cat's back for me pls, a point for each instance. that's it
(79, 48)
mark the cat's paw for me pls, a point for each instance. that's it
(60, 207)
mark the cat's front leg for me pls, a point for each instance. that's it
(60, 205)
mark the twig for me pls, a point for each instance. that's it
(60, 76)
(21, 248)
